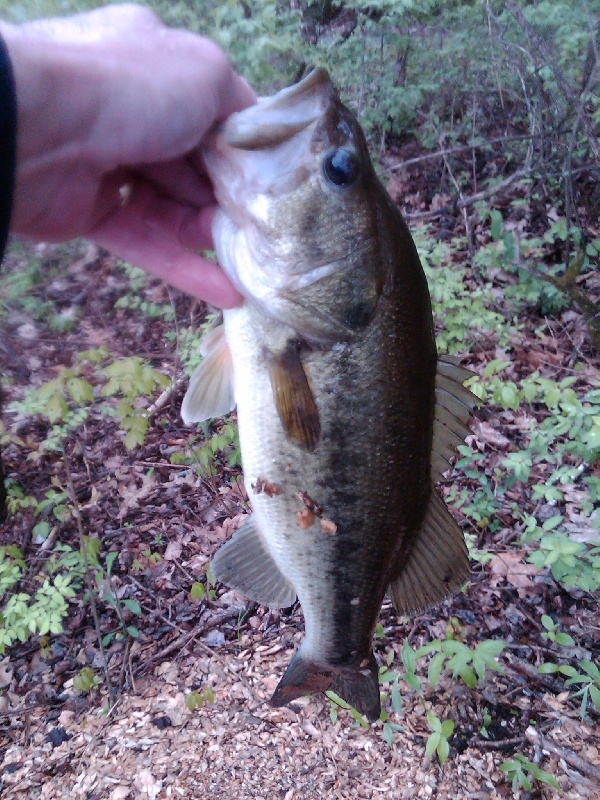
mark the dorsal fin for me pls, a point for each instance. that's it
(210, 393)
(453, 406)
(437, 563)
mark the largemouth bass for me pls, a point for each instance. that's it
(332, 364)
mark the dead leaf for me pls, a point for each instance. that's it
(133, 494)
(306, 517)
(145, 782)
(173, 551)
(488, 434)
(514, 570)
(329, 526)
(120, 793)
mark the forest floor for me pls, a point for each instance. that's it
(165, 522)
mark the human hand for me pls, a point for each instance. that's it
(112, 108)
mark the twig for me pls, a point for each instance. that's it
(165, 396)
(502, 744)
(88, 581)
(517, 665)
(567, 90)
(570, 756)
(466, 219)
(474, 198)
(183, 640)
(461, 149)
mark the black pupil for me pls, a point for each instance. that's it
(341, 167)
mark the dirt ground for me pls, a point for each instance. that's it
(191, 717)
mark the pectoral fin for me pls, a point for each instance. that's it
(293, 397)
(244, 563)
(454, 403)
(210, 393)
(436, 565)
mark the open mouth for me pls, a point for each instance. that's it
(276, 119)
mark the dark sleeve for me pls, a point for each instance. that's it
(8, 154)
(8, 142)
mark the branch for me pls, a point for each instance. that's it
(165, 396)
(453, 150)
(579, 763)
(474, 198)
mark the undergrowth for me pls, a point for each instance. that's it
(492, 89)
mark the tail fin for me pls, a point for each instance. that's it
(357, 685)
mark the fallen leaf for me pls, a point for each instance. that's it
(514, 570)
(173, 551)
(488, 434)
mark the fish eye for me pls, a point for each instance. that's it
(341, 167)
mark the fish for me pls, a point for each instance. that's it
(347, 415)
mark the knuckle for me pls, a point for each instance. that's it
(216, 57)
(138, 14)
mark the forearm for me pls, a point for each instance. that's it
(52, 117)
(61, 88)
(8, 127)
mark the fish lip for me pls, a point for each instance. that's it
(276, 119)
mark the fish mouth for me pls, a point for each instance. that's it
(277, 119)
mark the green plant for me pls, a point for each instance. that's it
(196, 699)
(562, 438)
(588, 679)
(135, 300)
(200, 590)
(23, 289)
(554, 634)
(337, 703)
(438, 740)
(68, 400)
(223, 445)
(455, 657)
(485, 724)
(12, 566)
(60, 580)
(23, 615)
(85, 680)
(464, 317)
(189, 340)
(523, 773)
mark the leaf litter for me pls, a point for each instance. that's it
(191, 718)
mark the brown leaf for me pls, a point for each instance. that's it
(488, 434)
(173, 551)
(514, 570)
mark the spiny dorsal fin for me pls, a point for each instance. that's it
(244, 563)
(293, 397)
(210, 393)
(453, 406)
(437, 564)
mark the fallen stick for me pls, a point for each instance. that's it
(570, 756)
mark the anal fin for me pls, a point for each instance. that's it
(244, 563)
(436, 565)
